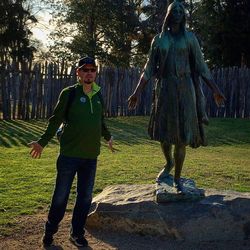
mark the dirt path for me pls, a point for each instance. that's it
(28, 237)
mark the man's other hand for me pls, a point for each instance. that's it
(110, 144)
(36, 150)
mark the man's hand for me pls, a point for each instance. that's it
(132, 101)
(219, 99)
(36, 150)
(110, 144)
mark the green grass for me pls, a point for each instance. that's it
(26, 184)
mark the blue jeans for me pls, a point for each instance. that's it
(67, 168)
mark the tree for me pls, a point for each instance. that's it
(14, 47)
(152, 16)
(15, 34)
(122, 34)
(78, 28)
(237, 31)
(62, 35)
(106, 29)
(224, 27)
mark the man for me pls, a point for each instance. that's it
(79, 149)
(178, 112)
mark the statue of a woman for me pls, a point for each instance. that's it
(178, 111)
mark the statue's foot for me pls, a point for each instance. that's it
(165, 172)
(162, 175)
(179, 187)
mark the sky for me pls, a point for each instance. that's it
(42, 28)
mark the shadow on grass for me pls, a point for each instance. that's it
(17, 132)
(221, 131)
(228, 131)
(128, 131)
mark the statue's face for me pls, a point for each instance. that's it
(177, 14)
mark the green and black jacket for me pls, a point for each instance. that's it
(85, 124)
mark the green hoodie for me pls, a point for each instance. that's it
(85, 124)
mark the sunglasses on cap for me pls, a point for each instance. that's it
(88, 70)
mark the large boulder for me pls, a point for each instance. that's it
(220, 215)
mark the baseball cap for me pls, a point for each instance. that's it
(86, 60)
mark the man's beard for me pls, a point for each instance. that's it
(88, 82)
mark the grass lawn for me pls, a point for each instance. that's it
(26, 184)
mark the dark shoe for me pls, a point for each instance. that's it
(47, 240)
(78, 241)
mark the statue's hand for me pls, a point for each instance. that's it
(132, 101)
(219, 99)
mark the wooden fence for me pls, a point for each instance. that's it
(31, 92)
(235, 84)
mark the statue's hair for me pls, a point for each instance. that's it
(166, 22)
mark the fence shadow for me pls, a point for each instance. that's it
(128, 131)
(18, 132)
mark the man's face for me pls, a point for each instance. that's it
(87, 73)
(177, 14)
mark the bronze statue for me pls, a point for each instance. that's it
(178, 109)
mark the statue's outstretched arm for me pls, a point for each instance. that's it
(150, 70)
(219, 98)
(200, 67)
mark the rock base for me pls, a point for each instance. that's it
(220, 215)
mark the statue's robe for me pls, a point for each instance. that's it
(178, 105)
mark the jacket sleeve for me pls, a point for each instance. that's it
(55, 120)
(105, 132)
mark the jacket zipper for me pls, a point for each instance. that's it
(91, 105)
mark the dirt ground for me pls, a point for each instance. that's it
(30, 230)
